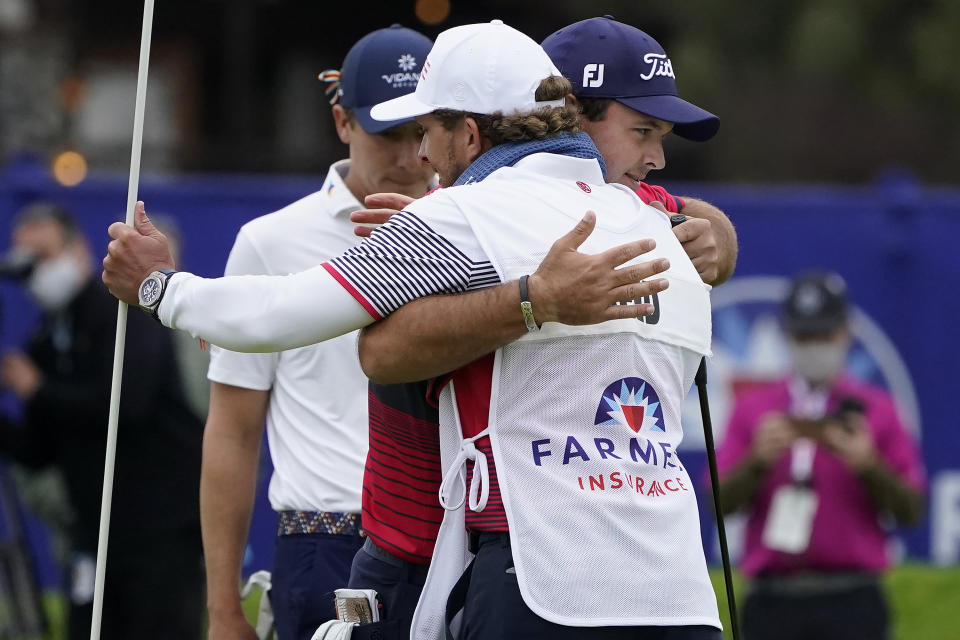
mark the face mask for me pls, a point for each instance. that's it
(54, 283)
(818, 362)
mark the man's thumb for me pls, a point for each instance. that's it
(141, 222)
(576, 236)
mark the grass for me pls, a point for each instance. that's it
(923, 601)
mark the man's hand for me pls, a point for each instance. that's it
(575, 288)
(232, 627)
(722, 240)
(851, 442)
(134, 253)
(18, 372)
(382, 206)
(700, 244)
(697, 237)
(774, 436)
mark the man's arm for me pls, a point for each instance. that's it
(431, 336)
(275, 313)
(773, 437)
(242, 313)
(853, 443)
(231, 447)
(712, 248)
(891, 494)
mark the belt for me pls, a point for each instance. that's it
(415, 572)
(330, 522)
(479, 538)
(809, 584)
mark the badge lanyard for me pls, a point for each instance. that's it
(793, 507)
(808, 404)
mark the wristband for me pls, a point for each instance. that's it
(525, 307)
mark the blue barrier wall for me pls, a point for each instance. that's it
(890, 241)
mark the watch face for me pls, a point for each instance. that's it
(150, 291)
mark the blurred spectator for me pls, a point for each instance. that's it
(817, 461)
(154, 574)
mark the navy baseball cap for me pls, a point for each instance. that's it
(382, 65)
(604, 58)
(816, 303)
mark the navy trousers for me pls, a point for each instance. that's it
(854, 614)
(307, 568)
(495, 609)
(397, 583)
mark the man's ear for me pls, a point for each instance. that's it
(343, 122)
(475, 145)
(572, 99)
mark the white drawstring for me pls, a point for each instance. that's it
(479, 484)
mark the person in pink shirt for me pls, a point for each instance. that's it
(820, 462)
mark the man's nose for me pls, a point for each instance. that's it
(654, 158)
(422, 152)
(410, 155)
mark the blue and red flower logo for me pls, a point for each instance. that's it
(631, 402)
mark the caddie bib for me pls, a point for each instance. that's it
(585, 421)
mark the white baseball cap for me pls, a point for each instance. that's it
(478, 68)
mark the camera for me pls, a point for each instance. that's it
(846, 410)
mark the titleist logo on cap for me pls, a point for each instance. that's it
(660, 65)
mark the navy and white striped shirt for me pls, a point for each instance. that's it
(409, 258)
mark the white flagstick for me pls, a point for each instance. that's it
(121, 327)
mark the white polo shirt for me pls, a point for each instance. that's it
(317, 417)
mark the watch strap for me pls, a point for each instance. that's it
(153, 309)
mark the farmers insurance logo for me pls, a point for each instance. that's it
(404, 78)
(624, 458)
(633, 403)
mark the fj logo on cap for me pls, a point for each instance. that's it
(659, 66)
(593, 75)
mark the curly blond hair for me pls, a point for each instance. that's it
(545, 122)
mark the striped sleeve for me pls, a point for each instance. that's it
(408, 259)
(651, 192)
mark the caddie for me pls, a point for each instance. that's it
(463, 238)
(521, 395)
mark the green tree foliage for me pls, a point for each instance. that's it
(812, 90)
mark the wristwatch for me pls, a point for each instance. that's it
(152, 289)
